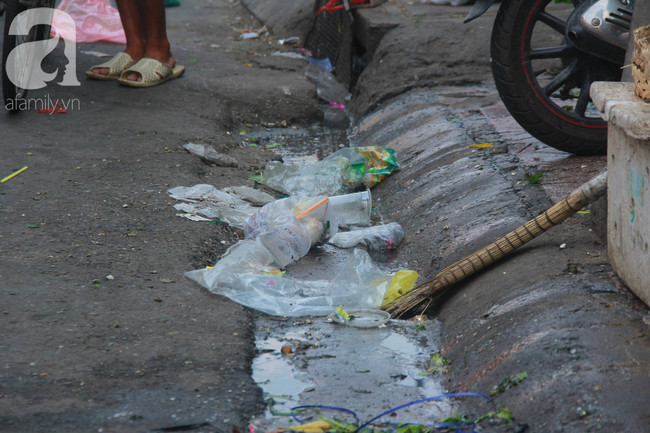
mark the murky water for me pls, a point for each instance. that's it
(364, 370)
(276, 376)
(298, 145)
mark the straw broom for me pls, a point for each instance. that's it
(428, 291)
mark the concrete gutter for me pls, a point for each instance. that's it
(559, 314)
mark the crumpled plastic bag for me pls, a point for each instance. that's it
(210, 202)
(94, 20)
(251, 195)
(339, 173)
(240, 276)
(378, 238)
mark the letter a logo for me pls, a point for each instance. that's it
(24, 62)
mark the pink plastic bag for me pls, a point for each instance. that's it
(95, 20)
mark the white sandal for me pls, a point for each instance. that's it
(152, 73)
(115, 66)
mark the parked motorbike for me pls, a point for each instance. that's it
(545, 55)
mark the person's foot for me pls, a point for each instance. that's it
(165, 58)
(111, 69)
(136, 55)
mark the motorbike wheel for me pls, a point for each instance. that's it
(543, 81)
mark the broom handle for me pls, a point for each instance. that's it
(575, 201)
(578, 199)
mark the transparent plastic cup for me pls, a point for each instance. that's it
(351, 209)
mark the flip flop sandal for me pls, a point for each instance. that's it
(116, 66)
(152, 72)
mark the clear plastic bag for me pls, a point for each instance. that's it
(94, 20)
(210, 202)
(242, 276)
(343, 171)
(328, 87)
(378, 238)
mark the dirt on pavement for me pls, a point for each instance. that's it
(146, 348)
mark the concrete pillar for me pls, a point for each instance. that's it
(628, 183)
(640, 18)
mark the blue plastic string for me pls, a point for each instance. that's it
(437, 397)
(424, 400)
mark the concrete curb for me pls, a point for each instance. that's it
(284, 18)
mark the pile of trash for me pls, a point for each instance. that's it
(282, 231)
(344, 171)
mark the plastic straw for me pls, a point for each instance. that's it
(313, 207)
(16, 173)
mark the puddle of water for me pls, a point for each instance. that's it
(277, 378)
(412, 355)
(400, 343)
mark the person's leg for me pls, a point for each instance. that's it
(155, 33)
(133, 23)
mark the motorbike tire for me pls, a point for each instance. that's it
(526, 99)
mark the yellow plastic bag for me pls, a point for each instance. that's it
(402, 282)
(312, 427)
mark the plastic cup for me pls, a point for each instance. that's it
(351, 209)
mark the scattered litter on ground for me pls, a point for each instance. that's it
(276, 235)
(209, 154)
(563, 246)
(321, 64)
(251, 35)
(343, 171)
(351, 209)
(508, 382)
(258, 178)
(294, 40)
(288, 54)
(482, 145)
(96, 54)
(435, 365)
(210, 203)
(57, 108)
(14, 174)
(403, 281)
(192, 217)
(378, 238)
(251, 195)
(316, 418)
(360, 318)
